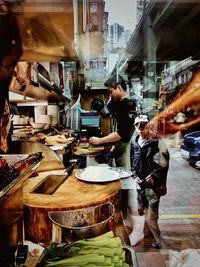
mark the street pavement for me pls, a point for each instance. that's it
(182, 199)
(179, 218)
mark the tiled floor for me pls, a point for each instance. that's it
(153, 259)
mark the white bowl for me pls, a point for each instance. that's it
(38, 125)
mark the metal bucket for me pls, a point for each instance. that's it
(69, 226)
(11, 232)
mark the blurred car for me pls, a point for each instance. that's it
(190, 148)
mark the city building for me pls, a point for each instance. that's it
(94, 45)
(115, 32)
(175, 76)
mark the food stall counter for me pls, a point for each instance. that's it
(71, 194)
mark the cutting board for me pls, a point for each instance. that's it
(71, 194)
(88, 151)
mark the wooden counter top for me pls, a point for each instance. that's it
(72, 194)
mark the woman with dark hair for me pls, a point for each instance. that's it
(10, 52)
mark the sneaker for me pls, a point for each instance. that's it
(156, 245)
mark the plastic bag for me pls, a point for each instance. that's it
(75, 114)
(184, 258)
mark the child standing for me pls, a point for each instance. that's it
(149, 165)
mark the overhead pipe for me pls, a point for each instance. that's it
(84, 15)
(76, 32)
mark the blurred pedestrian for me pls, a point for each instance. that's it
(149, 164)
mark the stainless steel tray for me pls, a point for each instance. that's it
(130, 256)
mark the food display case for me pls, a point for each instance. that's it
(11, 205)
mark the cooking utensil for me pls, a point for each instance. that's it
(97, 104)
(72, 165)
(52, 182)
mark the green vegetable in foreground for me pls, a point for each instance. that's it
(80, 260)
(104, 250)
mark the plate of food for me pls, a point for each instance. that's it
(101, 174)
(123, 172)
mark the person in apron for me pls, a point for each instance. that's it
(123, 110)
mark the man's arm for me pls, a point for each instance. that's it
(112, 137)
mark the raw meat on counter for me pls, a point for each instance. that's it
(57, 139)
(7, 173)
(53, 136)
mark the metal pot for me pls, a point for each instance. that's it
(82, 223)
(97, 104)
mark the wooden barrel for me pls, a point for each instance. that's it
(71, 194)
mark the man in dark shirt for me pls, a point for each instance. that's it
(123, 109)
